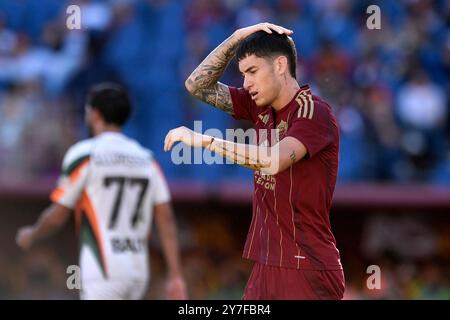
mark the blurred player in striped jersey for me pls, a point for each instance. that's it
(115, 187)
(295, 161)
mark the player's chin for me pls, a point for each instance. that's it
(259, 102)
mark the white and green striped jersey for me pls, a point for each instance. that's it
(113, 184)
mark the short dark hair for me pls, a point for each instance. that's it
(112, 101)
(263, 44)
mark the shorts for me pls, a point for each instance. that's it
(113, 290)
(276, 283)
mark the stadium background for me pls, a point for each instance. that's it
(389, 89)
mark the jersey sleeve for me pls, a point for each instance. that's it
(243, 105)
(162, 193)
(312, 125)
(73, 177)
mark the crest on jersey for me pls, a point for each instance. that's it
(264, 118)
(281, 129)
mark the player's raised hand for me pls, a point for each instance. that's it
(176, 288)
(187, 136)
(265, 26)
(24, 237)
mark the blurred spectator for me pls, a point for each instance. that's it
(389, 87)
(404, 235)
(422, 112)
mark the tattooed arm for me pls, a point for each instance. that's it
(268, 160)
(203, 82)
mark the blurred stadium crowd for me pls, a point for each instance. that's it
(411, 250)
(389, 89)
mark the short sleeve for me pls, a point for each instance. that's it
(162, 193)
(243, 105)
(73, 177)
(313, 125)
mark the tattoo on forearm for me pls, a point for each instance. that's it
(293, 157)
(243, 160)
(210, 70)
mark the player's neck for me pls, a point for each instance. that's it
(287, 93)
(107, 128)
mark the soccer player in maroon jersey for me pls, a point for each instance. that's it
(295, 159)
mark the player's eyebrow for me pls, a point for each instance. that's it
(248, 69)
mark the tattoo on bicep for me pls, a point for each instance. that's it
(293, 157)
(208, 75)
(218, 96)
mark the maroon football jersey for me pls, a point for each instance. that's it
(290, 224)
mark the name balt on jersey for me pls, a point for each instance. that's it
(113, 184)
(290, 224)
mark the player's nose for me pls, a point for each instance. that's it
(247, 84)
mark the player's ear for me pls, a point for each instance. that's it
(95, 115)
(281, 65)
